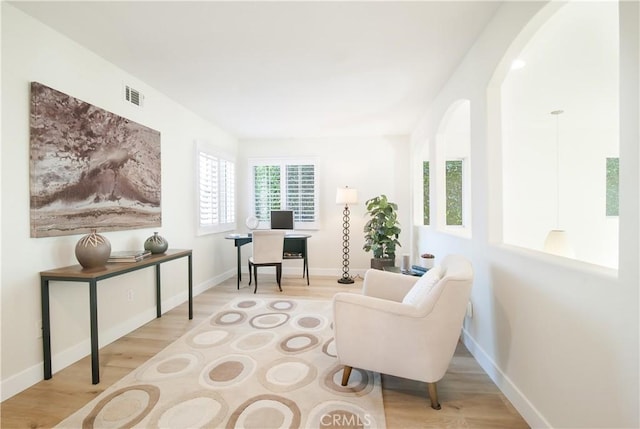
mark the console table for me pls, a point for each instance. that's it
(76, 273)
(295, 247)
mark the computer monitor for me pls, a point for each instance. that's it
(282, 219)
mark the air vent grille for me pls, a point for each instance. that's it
(133, 96)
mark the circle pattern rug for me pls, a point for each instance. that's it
(257, 363)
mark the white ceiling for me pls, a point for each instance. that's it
(282, 69)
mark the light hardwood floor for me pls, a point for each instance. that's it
(468, 397)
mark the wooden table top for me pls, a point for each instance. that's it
(79, 272)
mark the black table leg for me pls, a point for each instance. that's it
(93, 307)
(158, 294)
(306, 261)
(93, 310)
(238, 257)
(46, 328)
(190, 288)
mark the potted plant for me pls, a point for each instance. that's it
(426, 260)
(381, 231)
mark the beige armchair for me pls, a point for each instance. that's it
(403, 325)
(268, 247)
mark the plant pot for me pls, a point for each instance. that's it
(427, 262)
(380, 263)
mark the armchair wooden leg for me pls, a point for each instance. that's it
(250, 265)
(433, 395)
(346, 372)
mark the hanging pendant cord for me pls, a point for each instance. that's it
(557, 114)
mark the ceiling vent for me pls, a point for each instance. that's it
(133, 96)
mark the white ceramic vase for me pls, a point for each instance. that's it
(427, 262)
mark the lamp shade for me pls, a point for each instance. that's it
(557, 243)
(346, 196)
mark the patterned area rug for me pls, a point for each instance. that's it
(258, 363)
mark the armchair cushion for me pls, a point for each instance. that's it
(386, 285)
(423, 286)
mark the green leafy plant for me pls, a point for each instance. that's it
(382, 230)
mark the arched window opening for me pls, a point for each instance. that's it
(560, 135)
(454, 186)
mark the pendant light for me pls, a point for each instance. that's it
(557, 241)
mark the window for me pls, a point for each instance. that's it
(453, 183)
(426, 215)
(613, 181)
(266, 190)
(280, 184)
(216, 192)
(454, 170)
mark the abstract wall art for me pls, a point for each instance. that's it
(90, 168)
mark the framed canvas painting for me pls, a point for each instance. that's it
(90, 168)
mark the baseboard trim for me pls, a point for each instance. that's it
(27, 378)
(526, 409)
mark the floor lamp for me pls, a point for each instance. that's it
(346, 196)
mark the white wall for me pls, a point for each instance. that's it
(559, 337)
(373, 166)
(33, 52)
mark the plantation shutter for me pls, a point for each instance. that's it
(267, 194)
(227, 189)
(208, 182)
(301, 192)
(215, 196)
(285, 184)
